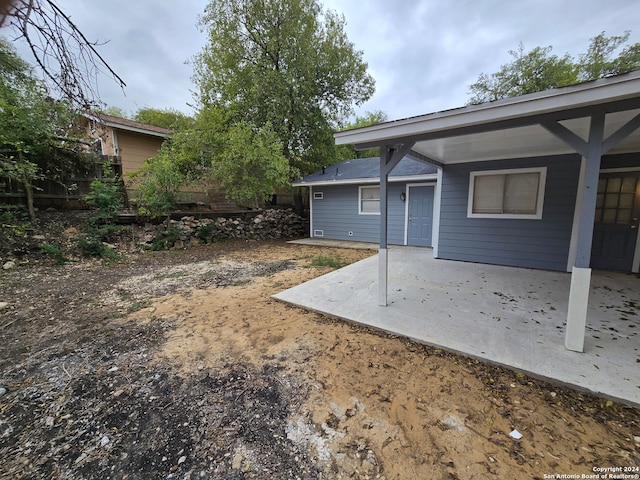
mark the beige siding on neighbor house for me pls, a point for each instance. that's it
(135, 148)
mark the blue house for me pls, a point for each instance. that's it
(548, 180)
(344, 201)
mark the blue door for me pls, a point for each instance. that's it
(420, 219)
(616, 222)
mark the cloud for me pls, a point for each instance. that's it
(423, 55)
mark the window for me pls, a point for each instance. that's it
(507, 193)
(318, 195)
(369, 201)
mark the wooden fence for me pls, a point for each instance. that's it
(67, 191)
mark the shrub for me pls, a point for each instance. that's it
(54, 251)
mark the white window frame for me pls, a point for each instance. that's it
(531, 216)
(360, 189)
(318, 195)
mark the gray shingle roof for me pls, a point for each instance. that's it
(366, 169)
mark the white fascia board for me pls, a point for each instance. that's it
(589, 93)
(362, 181)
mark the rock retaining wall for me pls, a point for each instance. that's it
(268, 224)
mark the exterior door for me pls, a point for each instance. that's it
(420, 220)
(616, 222)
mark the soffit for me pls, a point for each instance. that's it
(521, 142)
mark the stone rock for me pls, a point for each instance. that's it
(3, 305)
(3, 391)
(9, 265)
(236, 462)
(39, 237)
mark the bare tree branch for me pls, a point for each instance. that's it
(69, 62)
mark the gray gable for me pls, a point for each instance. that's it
(366, 169)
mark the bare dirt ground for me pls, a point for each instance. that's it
(179, 365)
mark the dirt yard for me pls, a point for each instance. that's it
(179, 365)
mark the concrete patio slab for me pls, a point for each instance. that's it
(510, 316)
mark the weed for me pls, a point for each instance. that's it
(166, 239)
(139, 305)
(170, 276)
(332, 261)
(55, 252)
(204, 233)
(240, 283)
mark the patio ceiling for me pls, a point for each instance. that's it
(511, 128)
(519, 142)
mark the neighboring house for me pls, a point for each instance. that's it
(131, 143)
(548, 180)
(128, 142)
(344, 201)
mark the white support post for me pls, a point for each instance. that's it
(383, 267)
(577, 313)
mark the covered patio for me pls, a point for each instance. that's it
(510, 316)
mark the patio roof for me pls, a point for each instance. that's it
(511, 128)
(591, 119)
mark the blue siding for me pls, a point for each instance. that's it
(337, 215)
(626, 160)
(524, 243)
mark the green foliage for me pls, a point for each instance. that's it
(159, 181)
(166, 118)
(54, 251)
(166, 239)
(93, 246)
(34, 136)
(539, 70)
(599, 60)
(529, 72)
(332, 261)
(250, 167)
(284, 63)
(106, 198)
(204, 233)
(115, 112)
(244, 161)
(347, 152)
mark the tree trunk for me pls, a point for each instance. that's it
(28, 190)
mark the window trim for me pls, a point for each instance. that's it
(528, 216)
(360, 189)
(318, 195)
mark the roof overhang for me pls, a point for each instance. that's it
(368, 181)
(129, 128)
(511, 128)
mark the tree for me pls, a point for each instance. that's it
(346, 152)
(67, 60)
(166, 118)
(599, 60)
(283, 63)
(245, 161)
(251, 166)
(530, 72)
(539, 70)
(34, 141)
(114, 112)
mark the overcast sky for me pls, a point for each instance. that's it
(422, 54)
